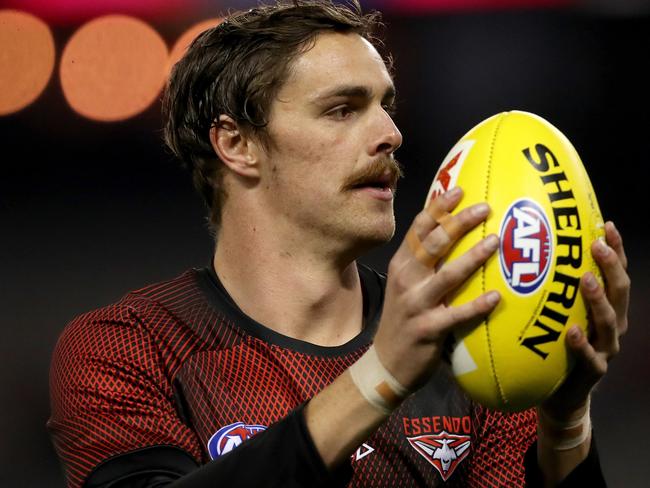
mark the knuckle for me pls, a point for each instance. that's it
(600, 368)
(465, 218)
(622, 327)
(624, 261)
(481, 252)
(401, 283)
(445, 276)
(598, 296)
(611, 318)
(393, 267)
(410, 304)
(425, 328)
(626, 284)
(422, 220)
(604, 314)
(481, 305)
(456, 315)
(611, 259)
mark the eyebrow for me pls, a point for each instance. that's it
(354, 91)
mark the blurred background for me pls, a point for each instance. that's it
(92, 205)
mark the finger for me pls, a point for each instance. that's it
(446, 318)
(590, 366)
(452, 227)
(615, 241)
(589, 361)
(427, 219)
(424, 223)
(456, 272)
(603, 316)
(617, 279)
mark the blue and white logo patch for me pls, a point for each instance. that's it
(231, 436)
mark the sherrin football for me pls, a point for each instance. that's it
(544, 210)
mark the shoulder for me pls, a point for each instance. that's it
(137, 321)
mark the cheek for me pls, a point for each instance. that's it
(315, 157)
(310, 156)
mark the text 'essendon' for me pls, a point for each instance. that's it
(435, 424)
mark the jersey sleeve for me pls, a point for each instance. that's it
(110, 394)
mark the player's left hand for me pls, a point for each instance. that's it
(608, 309)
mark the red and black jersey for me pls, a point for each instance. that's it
(175, 386)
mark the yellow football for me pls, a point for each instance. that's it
(544, 210)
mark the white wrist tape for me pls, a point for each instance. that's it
(376, 384)
(564, 435)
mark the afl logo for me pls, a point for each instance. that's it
(231, 436)
(526, 246)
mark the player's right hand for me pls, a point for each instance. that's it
(415, 320)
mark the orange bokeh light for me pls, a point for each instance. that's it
(26, 59)
(188, 36)
(113, 68)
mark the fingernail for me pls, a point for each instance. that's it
(493, 298)
(491, 242)
(480, 210)
(603, 249)
(453, 193)
(590, 281)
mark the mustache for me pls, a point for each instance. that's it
(379, 168)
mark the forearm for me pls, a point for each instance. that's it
(562, 444)
(339, 419)
(284, 455)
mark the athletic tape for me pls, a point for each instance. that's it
(447, 222)
(452, 227)
(564, 435)
(376, 384)
(421, 254)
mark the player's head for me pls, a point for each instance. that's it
(236, 70)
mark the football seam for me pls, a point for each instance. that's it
(483, 279)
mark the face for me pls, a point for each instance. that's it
(330, 173)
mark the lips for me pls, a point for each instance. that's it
(387, 180)
(382, 182)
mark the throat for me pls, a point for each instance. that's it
(314, 306)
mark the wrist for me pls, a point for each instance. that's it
(564, 432)
(376, 384)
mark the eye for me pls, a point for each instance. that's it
(340, 112)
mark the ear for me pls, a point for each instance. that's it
(236, 150)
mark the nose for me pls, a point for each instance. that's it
(387, 137)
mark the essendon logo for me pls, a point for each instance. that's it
(526, 246)
(444, 451)
(231, 436)
(442, 440)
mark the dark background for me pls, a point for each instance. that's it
(91, 210)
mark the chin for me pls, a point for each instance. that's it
(376, 236)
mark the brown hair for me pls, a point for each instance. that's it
(236, 68)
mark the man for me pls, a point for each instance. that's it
(263, 362)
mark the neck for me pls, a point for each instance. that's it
(287, 286)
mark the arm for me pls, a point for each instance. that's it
(564, 429)
(414, 325)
